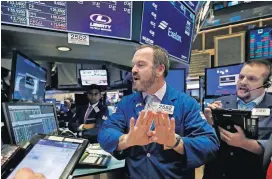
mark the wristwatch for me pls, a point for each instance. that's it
(176, 144)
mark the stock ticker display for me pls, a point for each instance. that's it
(260, 43)
(27, 121)
(102, 18)
(169, 25)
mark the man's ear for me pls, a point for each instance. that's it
(160, 70)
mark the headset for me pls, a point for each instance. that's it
(267, 82)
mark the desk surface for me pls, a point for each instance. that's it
(113, 164)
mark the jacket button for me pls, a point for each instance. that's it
(148, 154)
(231, 153)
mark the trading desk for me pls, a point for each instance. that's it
(114, 164)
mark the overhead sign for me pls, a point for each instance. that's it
(169, 25)
(101, 18)
(80, 39)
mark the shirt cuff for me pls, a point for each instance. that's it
(80, 128)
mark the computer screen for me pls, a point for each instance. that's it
(48, 157)
(51, 101)
(176, 79)
(112, 97)
(260, 43)
(89, 77)
(24, 120)
(57, 105)
(29, 79)
(222, 80)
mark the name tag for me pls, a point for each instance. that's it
(169, 109)
(260, 112)
(96, 109)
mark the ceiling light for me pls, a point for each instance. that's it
(63, 48)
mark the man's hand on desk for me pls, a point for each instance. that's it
(88, 126)
(236, 139)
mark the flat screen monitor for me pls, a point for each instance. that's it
(51, 101)
(28, 79)
(112, 97)
(168, 24)
(24, 120)
(98, 77)
(101, 18)
(176, 78)
(57, 105)
(222, 80)
(49, 158)
(259, 45)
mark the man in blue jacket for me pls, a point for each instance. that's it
(159, 145)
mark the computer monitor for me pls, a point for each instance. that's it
(98, 77)
(57, 105)
(259, 43)
(176, 79)
(51, 101)
(222, 80)
(24, 120)
(28, 79)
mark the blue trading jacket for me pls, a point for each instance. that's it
(152, 161)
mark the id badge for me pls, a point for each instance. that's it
(96, 109)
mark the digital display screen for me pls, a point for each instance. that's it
(169, 25)
(260, 43)
(101, 18)
(28, 120)
(89, 77)
(222, 80)
(51, 101)
(176, 79)
(30, 81)
(48, 157)
(192, 5)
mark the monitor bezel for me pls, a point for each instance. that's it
(206, 81)
(108, 82)
(8, 118)
(13, 73)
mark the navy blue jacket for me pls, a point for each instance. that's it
(152, 161)
(236, 163)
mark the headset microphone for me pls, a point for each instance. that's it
(266, 85)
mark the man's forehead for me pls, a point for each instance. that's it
(94, 91)
(143, 54)
(251, 70)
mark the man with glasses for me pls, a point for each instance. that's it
(88, 119)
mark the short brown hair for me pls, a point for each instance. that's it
(160, 56)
